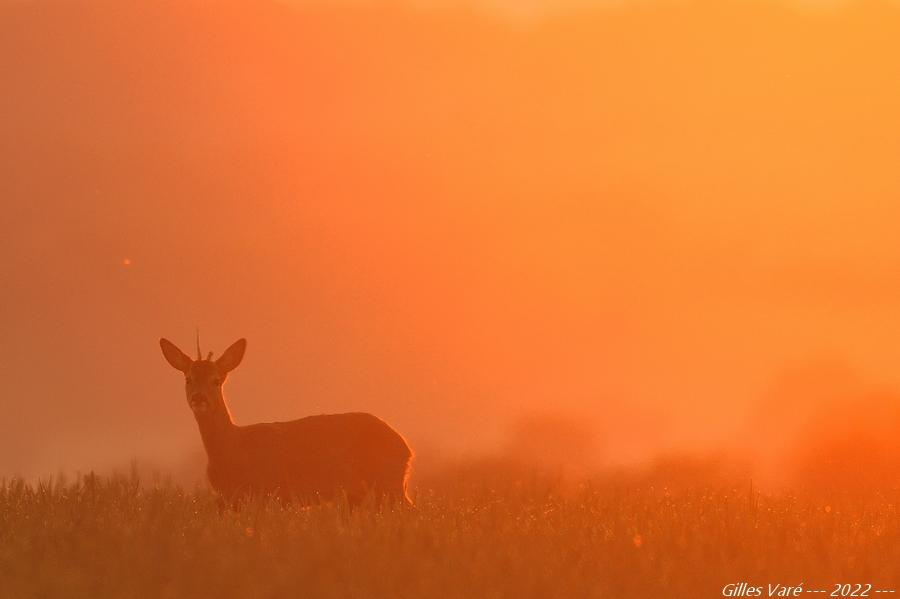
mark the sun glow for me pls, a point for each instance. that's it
(608, 220)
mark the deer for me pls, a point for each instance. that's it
(316, 459)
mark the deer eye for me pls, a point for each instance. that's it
(188, 379)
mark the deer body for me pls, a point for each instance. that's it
(317, 458)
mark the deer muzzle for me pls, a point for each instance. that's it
(199, 402)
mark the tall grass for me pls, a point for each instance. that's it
(114, 537)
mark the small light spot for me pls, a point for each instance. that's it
(249, 532)
(126, 261)
(827, 509)
(637, 540)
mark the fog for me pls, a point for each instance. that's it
(604, 235)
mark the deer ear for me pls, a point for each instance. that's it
(229, 360)
(175, 356)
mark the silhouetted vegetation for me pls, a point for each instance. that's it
(114, 537)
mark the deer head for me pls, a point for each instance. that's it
(203, 379)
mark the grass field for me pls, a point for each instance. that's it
(115, 537)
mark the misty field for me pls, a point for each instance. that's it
(117, 537)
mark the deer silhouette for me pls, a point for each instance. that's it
(313, 459)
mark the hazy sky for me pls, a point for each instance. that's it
(530, 9)
(634, 219)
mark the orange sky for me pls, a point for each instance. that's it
(637, 217)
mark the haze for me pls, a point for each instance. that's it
(665, 227)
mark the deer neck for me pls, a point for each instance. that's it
(219, 434)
